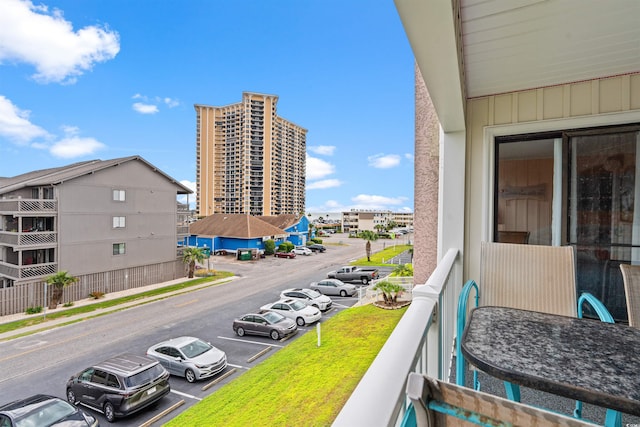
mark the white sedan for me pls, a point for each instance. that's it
(295, 310)
(301, 250)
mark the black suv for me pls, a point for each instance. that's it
(119, 386)
(43, 410)
(316, 247)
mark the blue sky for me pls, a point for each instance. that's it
(100, 79)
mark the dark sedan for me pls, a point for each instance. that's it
(316, 247)
(269, 324)
(44, 411)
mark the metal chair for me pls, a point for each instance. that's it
(631, 279)
(436, 403)
(529, 277)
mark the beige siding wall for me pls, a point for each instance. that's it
(602, 98)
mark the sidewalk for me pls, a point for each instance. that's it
(88, 301)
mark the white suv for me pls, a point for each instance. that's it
(309, 297)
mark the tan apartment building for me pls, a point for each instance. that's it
(357, 220)
(248, 159)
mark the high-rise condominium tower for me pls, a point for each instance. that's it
(248, 159)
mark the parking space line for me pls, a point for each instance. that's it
(190, 396)
(250, 342)
(238, 366)
(340, 305)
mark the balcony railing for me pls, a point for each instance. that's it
(27, 271)
(28, 205)
(422, 342)
(32, 238)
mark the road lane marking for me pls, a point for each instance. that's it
(190, 396)
(187, 303)
(250, 342)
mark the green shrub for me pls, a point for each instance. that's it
(315, 240)
(203, 272)
(33, 310)
(269, 247)
(285, 247)
(68, 304)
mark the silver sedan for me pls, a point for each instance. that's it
(334, 287)
(189, 357)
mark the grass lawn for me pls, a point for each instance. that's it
(67, 312)
(378, 258)
(302, 384)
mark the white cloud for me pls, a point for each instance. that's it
(145, 108)
(408, 156)
(382, 161)
(328, 206)
(192, 197)
(15, 124)
(370, 201)
(75, 146)
(318, 168)
(30, 34)
(325, 150)
(170, 102)
(151, 106)
(325, 183)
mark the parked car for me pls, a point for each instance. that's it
(294, 310)
(269, 324)
(317, 247)
(334, 287)
(285, 254)
(43, 411)
(351, 273)
(302, 250)
(189, 357)
(309, 297)
(120, 385)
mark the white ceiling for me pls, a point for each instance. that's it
(522, 44)
(509, 45)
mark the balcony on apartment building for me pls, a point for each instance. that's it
(28, 264)
(28, 223)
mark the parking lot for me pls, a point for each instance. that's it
(42, 363)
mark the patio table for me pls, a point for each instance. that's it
(581, 359)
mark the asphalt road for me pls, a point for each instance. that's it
(42, 363)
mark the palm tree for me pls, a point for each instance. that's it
(190, 256)
(390, 291)
(368, 235)
(59, 280)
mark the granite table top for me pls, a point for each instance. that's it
(582, 359)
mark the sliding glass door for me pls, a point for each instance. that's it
(578, 188)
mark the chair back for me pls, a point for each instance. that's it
(631, 278)
(437, 403)
(528, 277)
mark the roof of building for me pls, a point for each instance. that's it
(282, 221)
(56, 176)
(241, 226)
